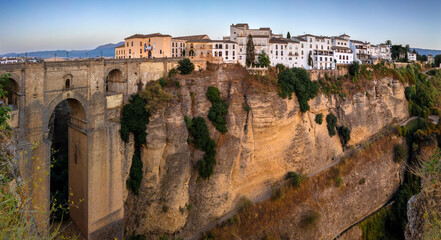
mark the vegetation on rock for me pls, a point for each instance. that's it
(218, 109)
(297, 80)
(263, 59)
(185, 66)
(331, 122)
(319, 118)
(345, 134)
(200, 137)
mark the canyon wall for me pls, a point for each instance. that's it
(260, 147)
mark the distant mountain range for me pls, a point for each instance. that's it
(422, 51)
(107, 50)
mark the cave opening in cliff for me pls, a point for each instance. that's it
(68, 171)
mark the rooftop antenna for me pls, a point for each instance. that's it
(55, 56)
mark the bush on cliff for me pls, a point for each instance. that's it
(319, 118)
(345, 134)
(218, 109)
(297, 80)
(399, 153)
(185, 66)
(200, 137)
(331, 121)
(134, 118)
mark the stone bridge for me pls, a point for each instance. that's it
(94, 90)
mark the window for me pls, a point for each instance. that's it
(310, 45)
(140, 51)
(132, 43)
(233, 54)
(160, 51)
(173, 44)
(130, 51)
(302, 45)
(316, 46)
(226, 53)
(276, 46)
(226, 46)
(322, 46)
(281, 53)
(67, 84)
(127, 44)
(140, 43)
(234, 46)
(140, 56)
(276, 53)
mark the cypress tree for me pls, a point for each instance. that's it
(288, 35)
(251, 57)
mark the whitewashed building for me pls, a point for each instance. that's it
(239, 33)
(412, 56)
(380, 52)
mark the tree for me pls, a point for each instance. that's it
(354, 68)
(388, 42)
(185, 66)
(264, 60)
(437, 60)
(310, 60)
(251, 56)
(297, 80)
(288, 35)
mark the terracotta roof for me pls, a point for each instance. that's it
(193, 37)
(299, 39)
(120, 46)
(265, 28)
(148, 35)
(278, 40)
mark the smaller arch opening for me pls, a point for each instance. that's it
(114, 82)
(67, 84)
(12, 98)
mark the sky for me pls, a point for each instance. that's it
(32, 25)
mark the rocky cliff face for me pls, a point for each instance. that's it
(261, 146)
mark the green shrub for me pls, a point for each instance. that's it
(339, 182)
(208, 236)
(246, 107)
(354, 69)
(280, 67)
(162, 82)
(374, 227)
(185, 66)
(218, 109)
(294, 178)
(362, 181)
(319, 118)
(134, 118)
(172, 73)
(345, 134)
(331, 121)
(297, 80)
(399, 153)
(135, 177)
(309, 219)
(200, 137)
(155, 97)
(136, 237)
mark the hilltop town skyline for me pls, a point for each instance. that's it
(79, 25)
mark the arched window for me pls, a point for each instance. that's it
(67, 84)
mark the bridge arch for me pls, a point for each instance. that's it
(67, 140)
(114, 80)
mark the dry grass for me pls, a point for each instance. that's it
(264, 218)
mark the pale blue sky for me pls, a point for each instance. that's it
(30, 25)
